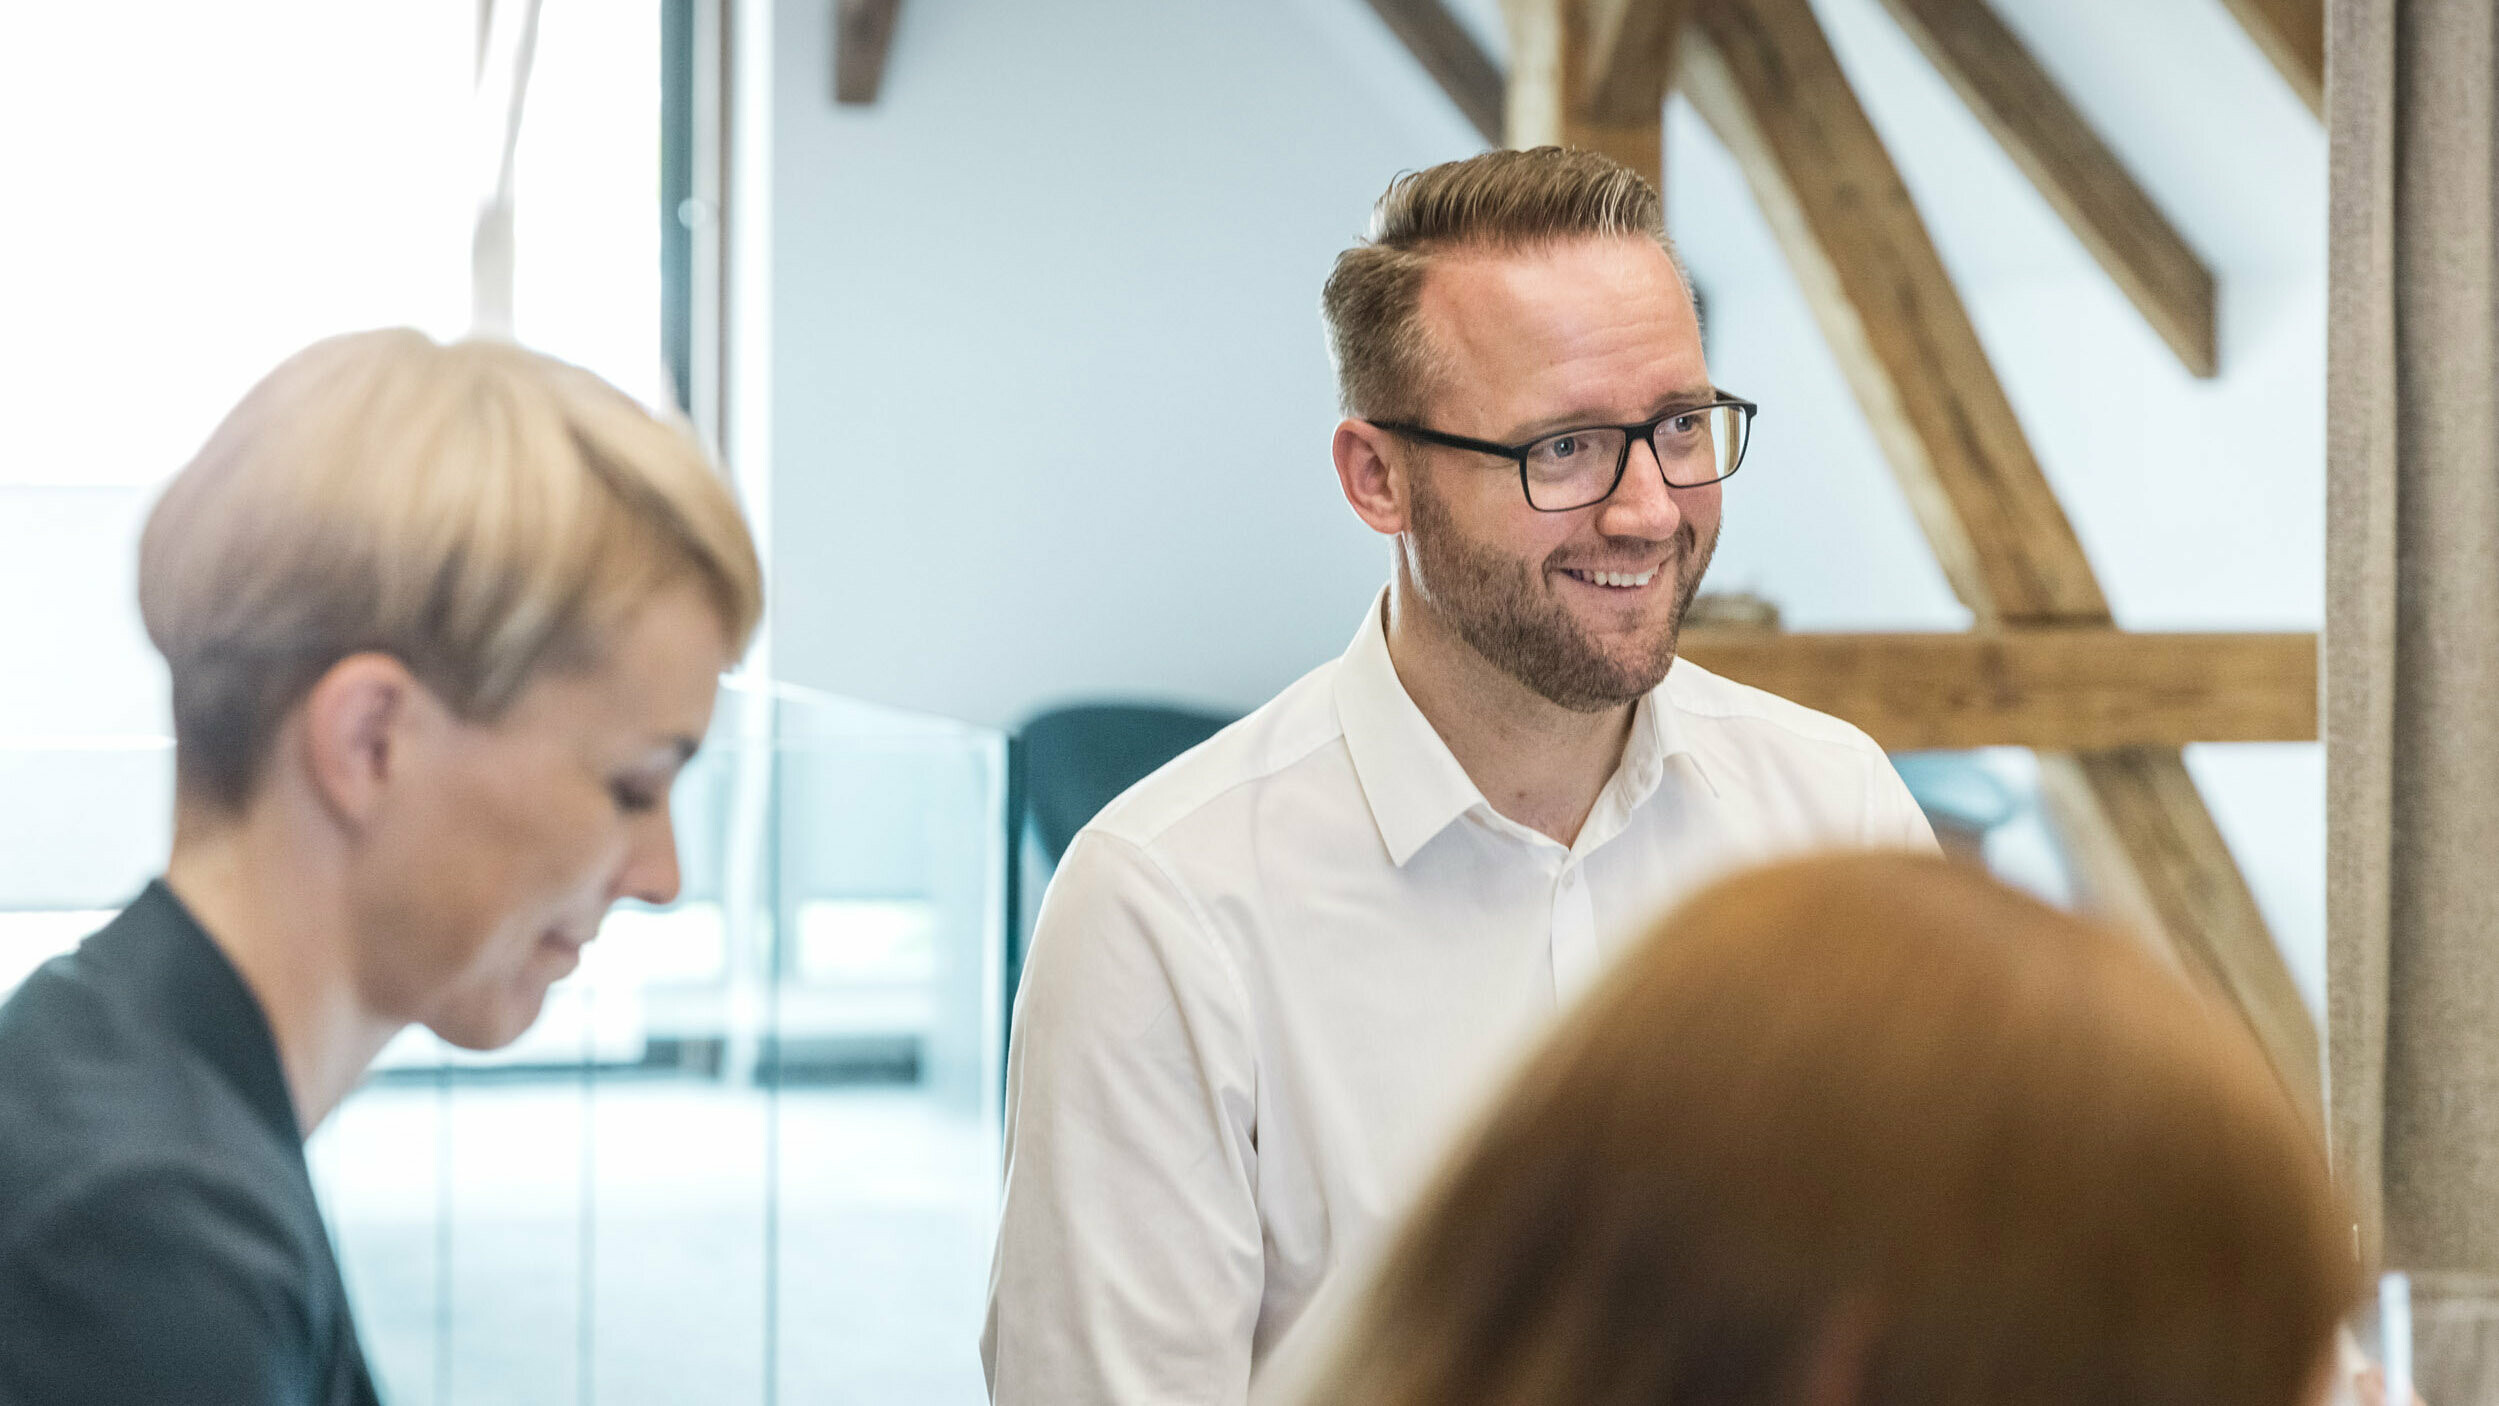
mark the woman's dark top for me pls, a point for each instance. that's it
(158, 1236)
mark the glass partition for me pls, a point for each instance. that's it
(750, 1150)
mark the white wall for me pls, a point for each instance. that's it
(79, 829)
(77, 660)
(1052, 401)
(1051, 404)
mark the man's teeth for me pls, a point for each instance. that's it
(1616, 578)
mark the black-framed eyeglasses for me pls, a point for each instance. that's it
(1696, 445)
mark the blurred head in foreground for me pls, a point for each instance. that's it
(1872, 1129)
(443, 624)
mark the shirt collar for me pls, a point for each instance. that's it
(1413, 783)
(1657, 740)
(1415, 786)
(1662, 731)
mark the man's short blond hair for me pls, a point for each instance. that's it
(478, 511)
(1500, 202)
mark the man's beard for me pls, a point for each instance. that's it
(1499, 605)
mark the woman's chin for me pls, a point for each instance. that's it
(490, 1024)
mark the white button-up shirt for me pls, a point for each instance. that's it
(1269, 982)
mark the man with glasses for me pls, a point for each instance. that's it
(1269, 981)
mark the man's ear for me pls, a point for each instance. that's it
(355, 731)
(1374, 486)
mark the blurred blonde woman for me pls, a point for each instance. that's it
(1872, 1131)
(443, 625)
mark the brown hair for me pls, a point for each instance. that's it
(479, 511)
(1884, 1114)
(1501, 201)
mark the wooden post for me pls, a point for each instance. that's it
(1550, 68)
(1628, 57)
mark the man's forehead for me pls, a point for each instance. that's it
(1554, 288)
(1609, 260)
(1571, 319)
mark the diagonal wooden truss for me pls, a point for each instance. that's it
(2044, 666)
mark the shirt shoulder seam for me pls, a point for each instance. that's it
(1199, 919)
(1787, 715)
(1143, 839)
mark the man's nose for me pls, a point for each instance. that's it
(1642, 505)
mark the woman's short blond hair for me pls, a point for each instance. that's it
(476, 510)
(1882, 1117)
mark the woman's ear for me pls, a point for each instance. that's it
(354, 725)
(1374, 486)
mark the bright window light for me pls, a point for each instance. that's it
(586, 275)
(210, 187)
(28, 940)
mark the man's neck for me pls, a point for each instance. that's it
(1540, 764)
(284, 923)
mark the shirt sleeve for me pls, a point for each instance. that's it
(1894, 820)
(1130, 1262)
(156, 1285)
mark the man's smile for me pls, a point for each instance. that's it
(1613, 580)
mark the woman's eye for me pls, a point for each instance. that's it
(633, 799)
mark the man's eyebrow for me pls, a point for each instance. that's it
(1680, 399)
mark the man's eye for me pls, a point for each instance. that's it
(1684, 424)
(1563, 446)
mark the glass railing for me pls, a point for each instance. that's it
(749, 1152)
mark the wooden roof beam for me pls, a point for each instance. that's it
(1629, 51)
(2081, 178)
(2292, 34)
(863, 37)
(1550, 64)
(1762, 73)
(2052, 689)
(1452, 57)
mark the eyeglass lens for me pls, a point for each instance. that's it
(1578, 467)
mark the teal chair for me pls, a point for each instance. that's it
(1063, 766)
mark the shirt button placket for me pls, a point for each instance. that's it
(1574, 935)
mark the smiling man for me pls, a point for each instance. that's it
(1268, 982)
